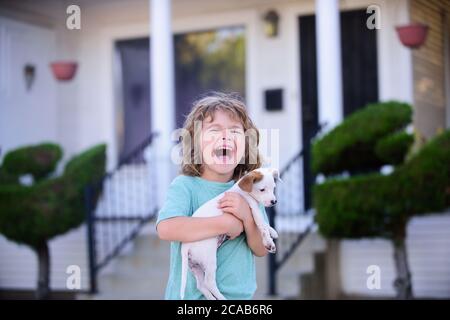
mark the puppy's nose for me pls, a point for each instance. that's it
(273, 202)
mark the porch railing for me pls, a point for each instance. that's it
(126, 202)
(291, 217)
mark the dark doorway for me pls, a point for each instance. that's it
(309, 107)
(359, 61)
(135, 68)
(359, 76)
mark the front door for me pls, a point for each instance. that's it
(135, 67)
(359, 76)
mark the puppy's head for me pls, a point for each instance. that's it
(260, 184)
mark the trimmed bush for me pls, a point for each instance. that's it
(424, 180)
(393, 148)
(7, 178)
(32, 214)
(351, 145)
(369, 204)
(379, 206)
(351, 208)
(39, 160)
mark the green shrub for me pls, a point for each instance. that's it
(352, 208)
(37, 213)
(7, 178)
(393, 148)
(88, 166)
(39, 160)
(375, 205)
(351, 145)
(424, 180)
(379, 206)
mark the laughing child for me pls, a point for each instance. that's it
(219, 124)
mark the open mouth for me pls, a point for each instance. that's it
(224, 154)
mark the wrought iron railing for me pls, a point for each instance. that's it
(291, 217)
(126, 202)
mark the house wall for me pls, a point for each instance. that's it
(22, 120)
(92, 104)
(270, 63)
(428, 245)
(18, 263)
(430, 67)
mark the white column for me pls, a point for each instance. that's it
(329, 69)
(162, 93)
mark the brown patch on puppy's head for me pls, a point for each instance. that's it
(249, 179)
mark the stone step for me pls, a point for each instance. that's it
(142, 271)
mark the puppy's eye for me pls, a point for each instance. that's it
(262, 190)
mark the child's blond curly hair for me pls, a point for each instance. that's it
(205, 107)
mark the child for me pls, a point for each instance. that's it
(222, 123)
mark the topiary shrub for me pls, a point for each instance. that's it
(393, 148)
(7, 178)
(39, 160)
(33, 215)
(375, 205)
(351, 145)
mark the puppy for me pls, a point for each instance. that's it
(256, 187)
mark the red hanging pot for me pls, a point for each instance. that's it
(64, 70)
(412, 35)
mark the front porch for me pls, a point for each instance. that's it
(323, 75)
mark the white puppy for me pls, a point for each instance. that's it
(256, 187)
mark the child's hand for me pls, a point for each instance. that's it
(233, 225)
(236, 205)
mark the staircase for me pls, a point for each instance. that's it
(300, 263)
(140, 272)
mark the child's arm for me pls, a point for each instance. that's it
(188, 229)
(235, 204)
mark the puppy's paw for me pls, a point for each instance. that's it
(268, 243)
(273, 233)
(271, 248)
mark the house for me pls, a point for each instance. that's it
(299, 63)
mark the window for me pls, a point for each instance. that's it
(205, 61)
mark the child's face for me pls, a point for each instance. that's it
(222, 143)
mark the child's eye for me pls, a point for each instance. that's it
(262, 190)
(236, 131)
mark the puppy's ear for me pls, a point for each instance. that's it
(276, 175)
(247, 181)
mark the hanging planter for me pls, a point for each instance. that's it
(64, 70)
(413, 35)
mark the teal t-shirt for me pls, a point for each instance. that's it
(235, 275)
